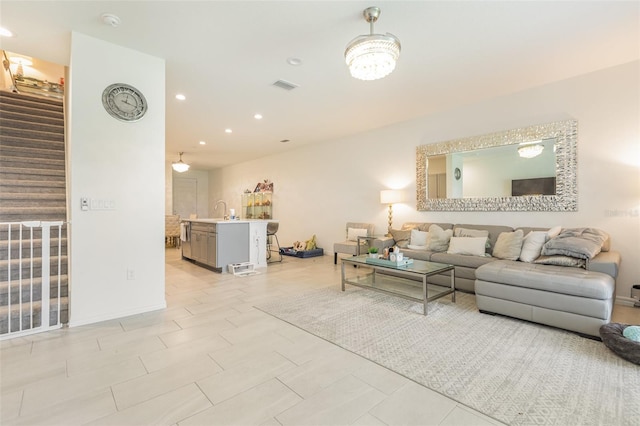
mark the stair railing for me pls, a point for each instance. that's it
(6, 65)
(25, 277)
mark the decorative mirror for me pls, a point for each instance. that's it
(528, 169)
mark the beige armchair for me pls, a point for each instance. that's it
(350, 245)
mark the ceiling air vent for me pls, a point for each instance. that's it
(286, 85)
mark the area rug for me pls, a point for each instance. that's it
(514, 371)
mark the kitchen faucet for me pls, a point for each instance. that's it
(225, 217)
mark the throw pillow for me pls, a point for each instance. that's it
(509, 245)
(400, 237)
(561, 261)
(471, 246)
(354, 233)
(532, 245)
(554, 232)
(418, 238)
(466, 232)
(439, 238)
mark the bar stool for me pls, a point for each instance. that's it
(272, 229)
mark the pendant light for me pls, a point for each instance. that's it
(180, 166)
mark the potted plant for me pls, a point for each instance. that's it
(373, 252)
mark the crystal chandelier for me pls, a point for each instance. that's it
(373, 56)
(530, 151)
(180, 166)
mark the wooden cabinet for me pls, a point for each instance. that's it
(257, 205)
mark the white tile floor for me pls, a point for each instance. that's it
(211, 358)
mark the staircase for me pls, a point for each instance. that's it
(32, 195)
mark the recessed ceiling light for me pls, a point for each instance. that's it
(258, 116)
(294, 61)
(228, 130)
(203, 143)
(285, 140)
(5, 32)
(180, 97)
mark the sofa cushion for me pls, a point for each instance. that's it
(494, 231)
(508, 245)
(417, 254)
(556, 279)
(605, 262)
(461, 259)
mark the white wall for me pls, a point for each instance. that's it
(122, 163)
(320, 187)
(203, 199)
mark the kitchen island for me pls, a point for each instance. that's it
(216, 243)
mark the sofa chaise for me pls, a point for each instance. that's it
(512, 275)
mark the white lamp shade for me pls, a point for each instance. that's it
(180, 167)
(391, 196)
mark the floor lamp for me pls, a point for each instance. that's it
(390, 197)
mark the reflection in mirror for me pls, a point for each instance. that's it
(500, 171)
(528, 169)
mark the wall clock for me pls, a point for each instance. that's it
(124, 102)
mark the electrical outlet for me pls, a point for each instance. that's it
(131, 274)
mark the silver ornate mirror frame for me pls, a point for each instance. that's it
(565, 200)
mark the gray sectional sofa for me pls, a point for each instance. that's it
(577, 298)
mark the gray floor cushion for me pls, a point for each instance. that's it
(613, 339)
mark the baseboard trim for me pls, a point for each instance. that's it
(625, 301)
(118, 315)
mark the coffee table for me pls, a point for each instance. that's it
(407, 281)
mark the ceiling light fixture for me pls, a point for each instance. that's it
(22, 60)
(203, 143)
(258, 116)
(5, 32)
(530, 150)
(180, 166)
(373, 56)
(228, 131)
(180, 97)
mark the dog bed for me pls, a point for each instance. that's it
(613, 339)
